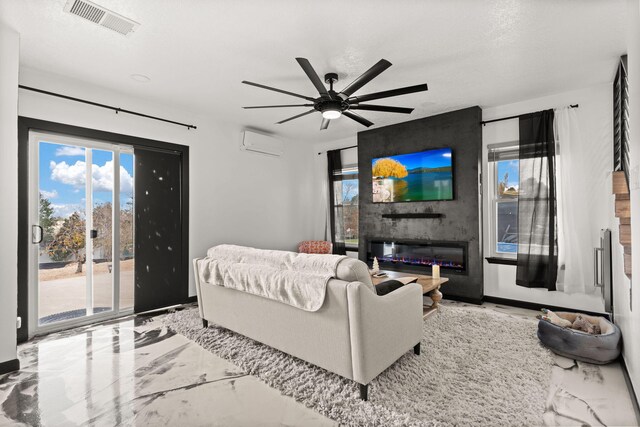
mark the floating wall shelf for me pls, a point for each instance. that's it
(412, 215)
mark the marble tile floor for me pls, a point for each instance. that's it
(134, 371)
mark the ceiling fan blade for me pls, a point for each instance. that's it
(357, 118)
(389, 93)
(324, 124)
(295, 117)
(365, 78)
(313, 76)
(381, 108)
(278, 106)
(278, 90)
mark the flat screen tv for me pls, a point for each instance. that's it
(414, 177)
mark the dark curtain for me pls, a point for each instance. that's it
(537, 247)
(335, 166)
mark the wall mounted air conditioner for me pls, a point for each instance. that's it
(263, 144)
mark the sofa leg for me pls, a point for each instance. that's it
(416, 349)
(205, 323)
(364, 391)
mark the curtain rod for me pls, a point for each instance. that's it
(339, 149)
(515, 117)
(109, 107)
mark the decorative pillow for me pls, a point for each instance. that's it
(315, 247)
(388, 286)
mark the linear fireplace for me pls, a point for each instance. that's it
(418, 255)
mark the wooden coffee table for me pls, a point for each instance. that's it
(430, 287)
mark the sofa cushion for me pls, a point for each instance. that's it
(354, 270)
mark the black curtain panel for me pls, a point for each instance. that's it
(537, 247)
(158, 230)
(337, 238)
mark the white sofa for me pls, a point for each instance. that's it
(356, 333)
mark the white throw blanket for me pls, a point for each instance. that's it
(299, 280)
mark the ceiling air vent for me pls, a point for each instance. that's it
(101, 16)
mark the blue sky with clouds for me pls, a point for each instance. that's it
(62, 177)
(431, 159)
(510, 167)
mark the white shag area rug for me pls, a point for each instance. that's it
(477, 367)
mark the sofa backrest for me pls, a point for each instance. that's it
(349, 269)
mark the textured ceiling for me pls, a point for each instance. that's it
(470, 52)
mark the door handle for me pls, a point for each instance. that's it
(34, 239)
(597, 271)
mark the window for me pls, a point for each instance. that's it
(345, 206)
(504, 185)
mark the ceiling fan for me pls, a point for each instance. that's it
(334, 104)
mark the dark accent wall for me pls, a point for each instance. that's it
(460, 221)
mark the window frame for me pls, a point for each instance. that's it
(346, 170)
(509, 151)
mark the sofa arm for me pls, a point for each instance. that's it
(382, 328)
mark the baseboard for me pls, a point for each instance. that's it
(9, 366)
(537, 307)
(632, 392)
(475, 301)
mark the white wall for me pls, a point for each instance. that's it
(629, 319)
(9, 59)
(595, 117)
(336, 144)
(235, 196)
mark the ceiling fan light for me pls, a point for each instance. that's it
(331, 114)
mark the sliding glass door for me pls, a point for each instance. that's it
(81, 208)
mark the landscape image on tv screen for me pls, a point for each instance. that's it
(423, 176)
